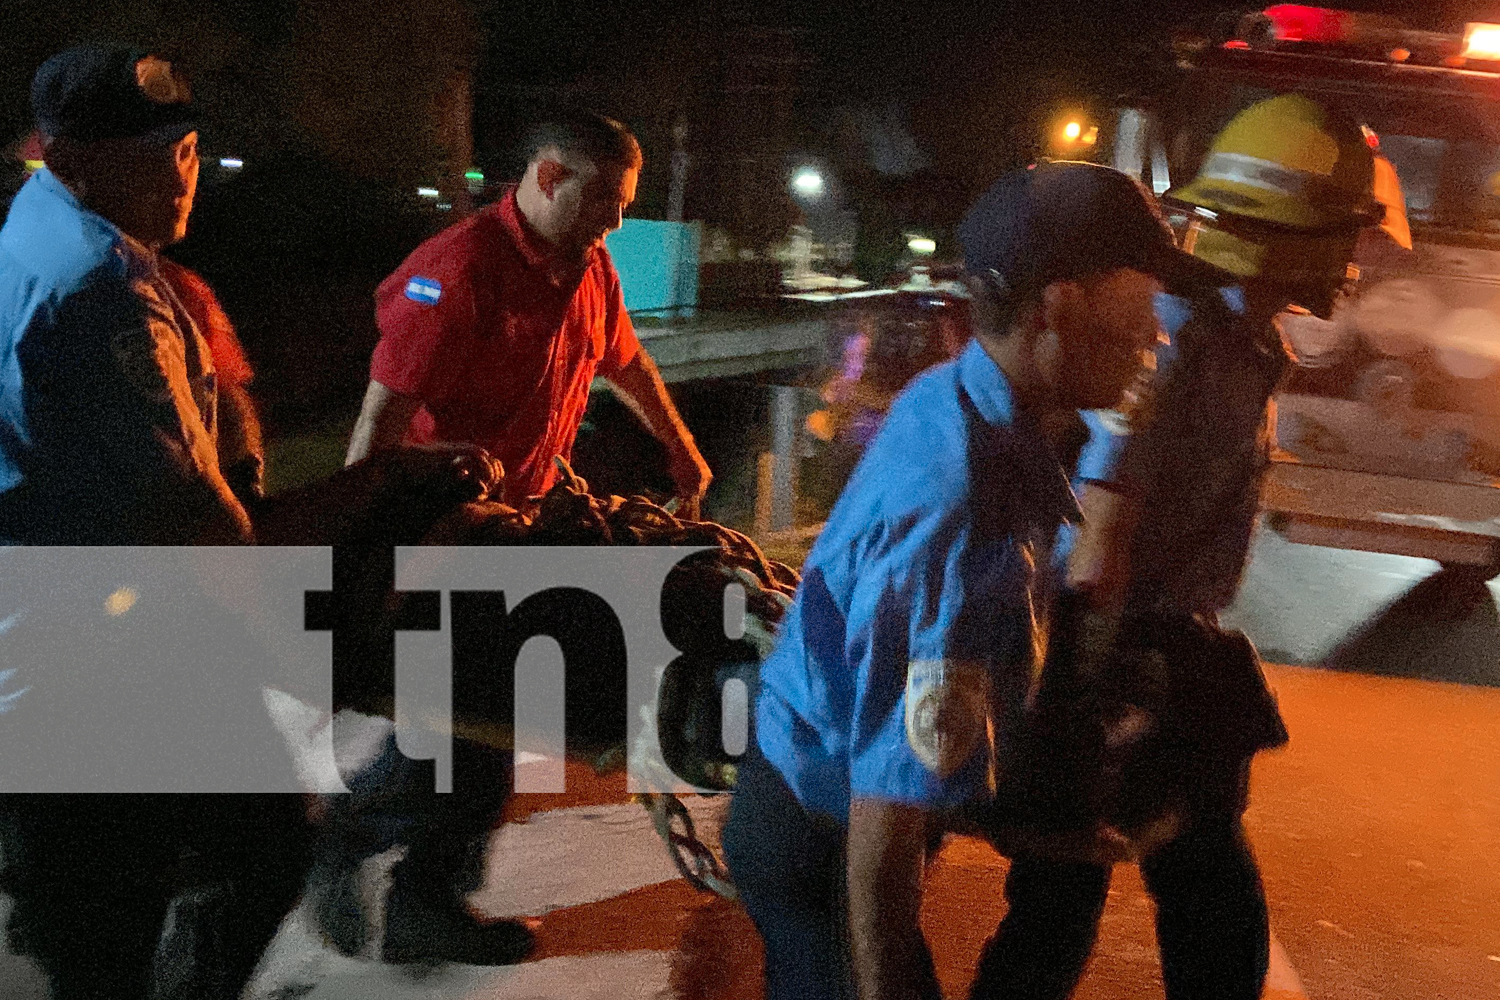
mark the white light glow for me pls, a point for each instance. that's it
(1315, 342)
(1072, 131)
(1161, 175)
(425, 192)
(921, 244)
(1397, 316)
(231, 162)
(1482, 41)
(808, 183)
(1468, 343)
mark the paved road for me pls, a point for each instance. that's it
(1378, 831)
(1368, 613)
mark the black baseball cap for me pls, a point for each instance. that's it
(94, 92)
(1064, 220)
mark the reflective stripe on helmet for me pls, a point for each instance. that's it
(1309, 187)
(1237, 168)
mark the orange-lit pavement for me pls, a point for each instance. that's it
(1378, 830)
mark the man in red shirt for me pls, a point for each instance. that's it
(491, 334)
(492, 331)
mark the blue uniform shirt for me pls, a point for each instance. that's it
(1195, 468)
(107, 391)
(911, 639)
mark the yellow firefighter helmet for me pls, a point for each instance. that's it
(1291, 162)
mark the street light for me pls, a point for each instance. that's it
(1074, 133)
(808, 183)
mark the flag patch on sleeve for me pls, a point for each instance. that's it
(424, 290)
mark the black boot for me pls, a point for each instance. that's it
(423, 926)
(333, 891)
(191, 960)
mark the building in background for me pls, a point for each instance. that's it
(379, 88)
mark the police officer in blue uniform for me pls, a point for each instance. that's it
(108, 425)
(108, 398)
(907, 656)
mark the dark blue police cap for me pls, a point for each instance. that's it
(94, 92)
(1065, 220)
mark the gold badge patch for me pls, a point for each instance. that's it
(947, 712)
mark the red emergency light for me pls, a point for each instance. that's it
(1377, 37)
(1294, 22)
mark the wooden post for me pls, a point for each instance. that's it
(765, 475)
(786, 425)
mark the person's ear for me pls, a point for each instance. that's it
(549, 174)
(1061, 303)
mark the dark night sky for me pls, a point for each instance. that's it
(864, 50)
(947, 60)
(956, 65)
(901, 48)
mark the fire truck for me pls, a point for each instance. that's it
(1387, 432)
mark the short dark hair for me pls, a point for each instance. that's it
(994, 307)
(587, 134)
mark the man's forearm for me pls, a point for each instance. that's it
(384, 418)
(641, 385)
(887, 846)
(361, 441)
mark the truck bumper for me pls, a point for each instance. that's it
(1450, 522)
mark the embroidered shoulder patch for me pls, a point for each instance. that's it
(947, 712)
(424, 290)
